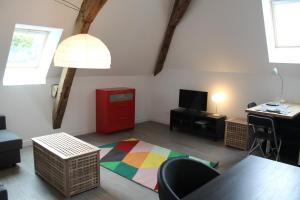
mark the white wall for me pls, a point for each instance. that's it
(132, 30)
(220, 46)
(29, 108)
(32, 12)
(240, 89)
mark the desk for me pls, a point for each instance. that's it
(290, 110)
(253, 178)
(288, 126)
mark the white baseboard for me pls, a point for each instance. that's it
(162, 121)
(77, 133)
(137, 121)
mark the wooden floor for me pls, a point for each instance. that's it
(23, 184)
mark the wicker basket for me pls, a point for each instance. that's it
(67, 163)
(237, 134)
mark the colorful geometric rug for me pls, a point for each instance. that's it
(139, 161)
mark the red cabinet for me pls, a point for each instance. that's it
(115, 109)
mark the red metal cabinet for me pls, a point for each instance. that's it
(115, 109)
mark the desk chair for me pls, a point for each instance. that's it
(251, 105)
(264, 131)
(178, 177)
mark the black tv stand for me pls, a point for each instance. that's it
(198, 122)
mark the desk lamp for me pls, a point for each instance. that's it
(276, 73)
(217, 99)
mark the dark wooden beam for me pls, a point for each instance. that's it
(88, 12)
(179, 9)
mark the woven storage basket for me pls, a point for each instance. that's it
(237, 134)
(67, 163)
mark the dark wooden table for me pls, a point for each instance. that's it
(254, 178)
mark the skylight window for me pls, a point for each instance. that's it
(282, 28)
(31, 52)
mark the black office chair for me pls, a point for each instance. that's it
(251, 105)
(178, 177)
(264, 131)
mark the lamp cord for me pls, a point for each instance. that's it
(68, 4)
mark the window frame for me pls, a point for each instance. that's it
(30, 75)
(277, 54)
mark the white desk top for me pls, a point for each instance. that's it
(284, 110)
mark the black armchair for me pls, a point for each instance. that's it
(10, 145)
(180, 176)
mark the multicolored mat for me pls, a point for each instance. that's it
(139, 161)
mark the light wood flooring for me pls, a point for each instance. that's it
(23, 184)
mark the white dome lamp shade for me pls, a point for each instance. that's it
(82, 51)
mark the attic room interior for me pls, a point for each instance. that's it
(158, 100)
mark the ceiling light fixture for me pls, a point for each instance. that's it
(82, 51)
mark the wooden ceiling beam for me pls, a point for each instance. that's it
(88, 12)
(179, 9)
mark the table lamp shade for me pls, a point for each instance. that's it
(218, 97)
(82, 51)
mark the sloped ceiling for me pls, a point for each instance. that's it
(224, 36)
(33, 12)
(132, 30)
(214, 35)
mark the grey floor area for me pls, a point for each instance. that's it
(23, 184)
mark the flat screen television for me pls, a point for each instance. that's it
(193, 100)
